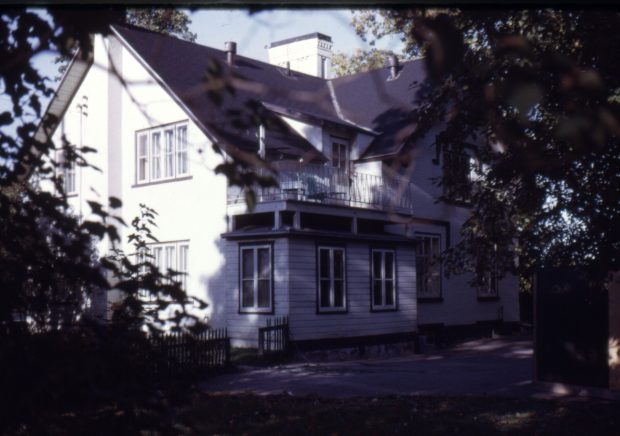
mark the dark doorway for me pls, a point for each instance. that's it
(571, 325)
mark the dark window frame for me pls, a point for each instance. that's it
(335, 310)
(272, 305)
(429, 298)
(394, 307)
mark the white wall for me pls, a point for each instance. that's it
(306, 323)
(460, 303)
(304, 56)
(193, 209)
(313, 134)
(243, 327)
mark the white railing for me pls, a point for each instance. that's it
(324, 184)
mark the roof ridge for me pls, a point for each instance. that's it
(223, 52)
(359, 73)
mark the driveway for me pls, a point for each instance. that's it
(495, 367)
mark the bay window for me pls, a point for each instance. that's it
(383, 280)
(256, 277)
(331, 279)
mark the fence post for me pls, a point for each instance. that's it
(227, 344)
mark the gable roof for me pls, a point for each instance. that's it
(386, 104)
(182, 66)
(370, 101)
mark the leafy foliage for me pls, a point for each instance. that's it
(360, 60)
(163, 20)
(535, 93)
(153, 299)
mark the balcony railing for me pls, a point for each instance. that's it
(327, 185)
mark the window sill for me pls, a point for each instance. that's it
(332, 312)
(71, 195)
(430, 299)
(158, 182)
(459, 203)
(489, 298)
(256, 312)
(383, 309)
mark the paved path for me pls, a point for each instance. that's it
(482, 367)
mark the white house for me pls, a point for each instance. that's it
(344, 246)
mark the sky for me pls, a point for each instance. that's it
(253, 32)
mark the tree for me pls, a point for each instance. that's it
(163, 20)
(360, 60)
(48, 267)
(533, 96)
(46, 252)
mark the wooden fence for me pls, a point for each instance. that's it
(273, 339)
(189, 353)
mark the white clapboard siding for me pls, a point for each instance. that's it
(243, 327)
(306, 323)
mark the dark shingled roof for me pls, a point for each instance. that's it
(374, 100)
(367, 100)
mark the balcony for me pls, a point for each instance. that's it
(326, 185)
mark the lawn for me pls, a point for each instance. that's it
(199, 413)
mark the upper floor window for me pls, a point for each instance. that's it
(428, 266)
(340, 155)
(383, 279)
(331, 278)
(68, 175)
(458, 174)
(162, 153)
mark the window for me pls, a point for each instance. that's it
(458, 170)
(339, 156)
(162, 153)
(182, 166)
(169, 153)
(428, 266)
(143, 157)
(256, 279)
(488, 286)
(168, 256)
(68, 175)
(383, 280)
(331, 279)
(488, 277)
(155, 155)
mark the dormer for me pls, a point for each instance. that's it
(309, 54)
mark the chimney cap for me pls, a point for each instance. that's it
(230, 46)
(394, 67)
(316, 35)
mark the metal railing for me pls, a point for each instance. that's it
(328, 185)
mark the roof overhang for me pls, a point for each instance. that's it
(69, 85)
(319, 120)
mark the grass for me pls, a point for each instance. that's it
(199, 413)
